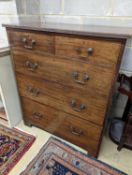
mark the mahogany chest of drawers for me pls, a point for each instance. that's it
(65, 80)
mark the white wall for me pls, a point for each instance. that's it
(8, 14)
(95, 12)
(8, 91)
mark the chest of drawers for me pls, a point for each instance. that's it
(65, 80)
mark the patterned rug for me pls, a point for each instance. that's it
(57, 158)
(13, 145)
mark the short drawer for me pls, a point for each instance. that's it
(75, 130)
(32, 41)
(91, 79)
(95, 51)
(70, 100)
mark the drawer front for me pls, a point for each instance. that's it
(75, 130)
(32, 41)
(95, 51)
(91, 79)
(70, 100)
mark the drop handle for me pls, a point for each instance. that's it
(33, 91)
(77, 107)
(24, 40)
(31, 66)
(86, 77)
(31, 45)
(76, 78)
(28, 44)
(37, 115)
(76, 131)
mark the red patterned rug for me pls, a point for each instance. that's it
(13, 145)
(57, 158)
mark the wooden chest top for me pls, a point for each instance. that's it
(84, 30)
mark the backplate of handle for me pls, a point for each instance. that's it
(37, 115)
(33, 91)
(31, 66)
(76, 131)
(28, 44)
(89, 50)
(84, 78)
(78, 50)
(77, 107)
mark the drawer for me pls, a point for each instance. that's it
(32, 41)
(75, 130)
(96, 51)
(91, 79)
(70, 100)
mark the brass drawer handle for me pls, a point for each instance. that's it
(76, 131)
(37, 115)
(31, 66)
(76, 107)
(75, 77)
(78, 50)
(28, 44)
(33, 91)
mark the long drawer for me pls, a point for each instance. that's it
(94, 50)
(91, 79)
(63, 98)
(77, 131)
(33, 41)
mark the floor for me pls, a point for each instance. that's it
(108, 153)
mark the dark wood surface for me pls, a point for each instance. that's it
(121, 128)
(58, 70)
(24, 39)
(81, 132)
(104, 52)
(86, 30)
(61, 97)
(61, 75)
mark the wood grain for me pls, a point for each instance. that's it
(104, 52)
(66, 80)
(61, 71)
(60, 97)
(44, 42)
(81, 133)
